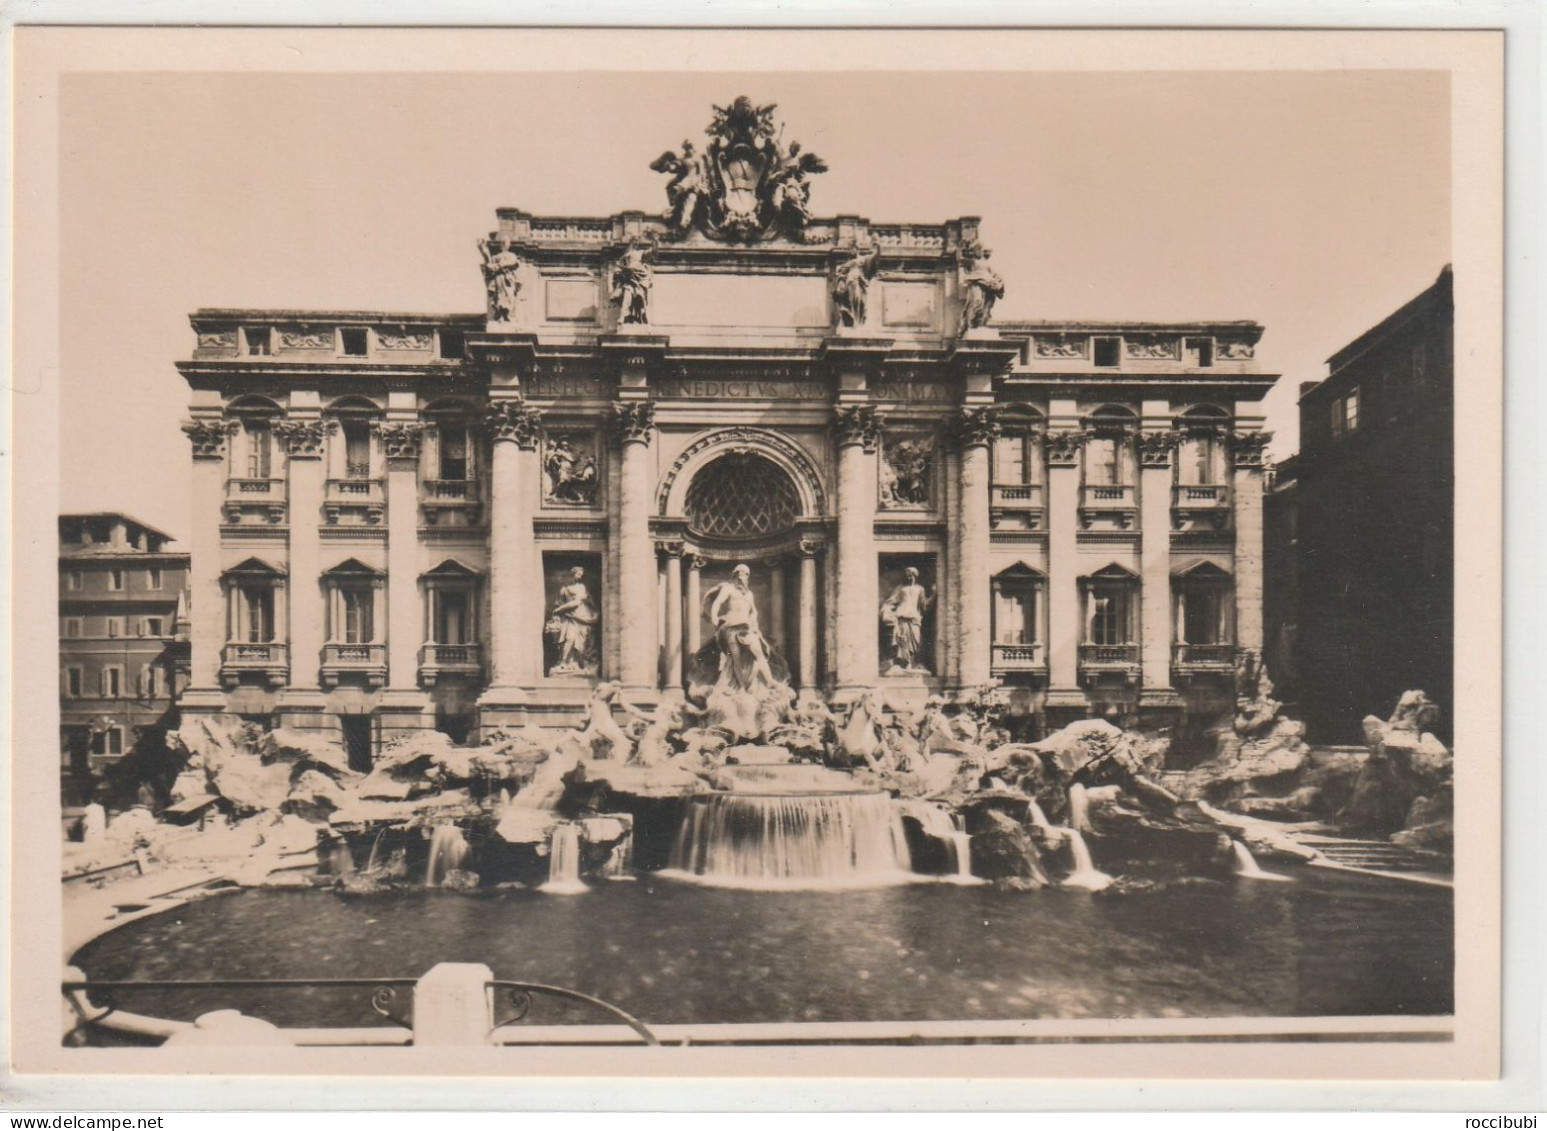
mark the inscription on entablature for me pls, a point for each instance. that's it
(915, 392)
(580, 387)
(741, 389)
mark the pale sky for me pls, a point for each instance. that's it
(1313, 202)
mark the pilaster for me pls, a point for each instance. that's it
(1157, 441)
(302, 440)
(1247, 457)
(209, 439)
(1062, 446)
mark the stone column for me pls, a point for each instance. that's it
(674, 673)
(1246, 489)
(302, 441)
(806, 674)
(857, 431)
(1155, 448)
(773, 627)
(210, 629)
(400, 440)
(976, 429)
(635, 421)
(515, 581)
(693, 613)
(1063, 614)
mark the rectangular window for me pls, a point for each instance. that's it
(1336, 419)
(359, 620)
(112, 682)
(1197, 464)
(353, 342)
(74, 580)
(1109, 617)
(1108, 351)
(1200, 352)
(1015, 615)
(260, 449)
(453, 623)
(1202, 610)
(1351, 411)
(453, 453)
(152, 682)
(115, 627)
(115, 580)
(109, 742)
(1104, 461)
(357, 449)
(257, 623)
(153, 577)
(451, 344)
(73, 682)
(72, 628)
(152, 626)
(257, 341)
(1012, 460)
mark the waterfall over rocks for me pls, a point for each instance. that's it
(448, 852)
(564, 862)
(792, 841)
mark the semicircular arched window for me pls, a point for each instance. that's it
(742, 496)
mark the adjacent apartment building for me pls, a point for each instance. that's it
(123, 651)
(1364, 518)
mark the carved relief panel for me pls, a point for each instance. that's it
(571, 464)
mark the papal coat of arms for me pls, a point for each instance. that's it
(745, 185)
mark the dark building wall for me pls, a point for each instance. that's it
(1375, 520)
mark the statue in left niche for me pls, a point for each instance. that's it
(501, 275)
(631, 282)
(572, 627)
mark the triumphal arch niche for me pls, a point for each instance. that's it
(725, 434)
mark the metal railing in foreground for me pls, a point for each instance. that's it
(454, 1003)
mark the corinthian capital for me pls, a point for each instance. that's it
(301, 439)
(208, 437)
(634, 421)
(978, 427)
(857, 424)
(1063, 448)
(1155, 448)
(1247, 447)
(514, 422)
(400, 441)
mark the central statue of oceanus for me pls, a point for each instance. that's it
(744, 185)
(739, 676)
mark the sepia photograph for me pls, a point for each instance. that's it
(692, 553)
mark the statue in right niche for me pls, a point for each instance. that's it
(903, 613)
(572, 628)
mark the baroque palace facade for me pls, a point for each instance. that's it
(404, 521)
